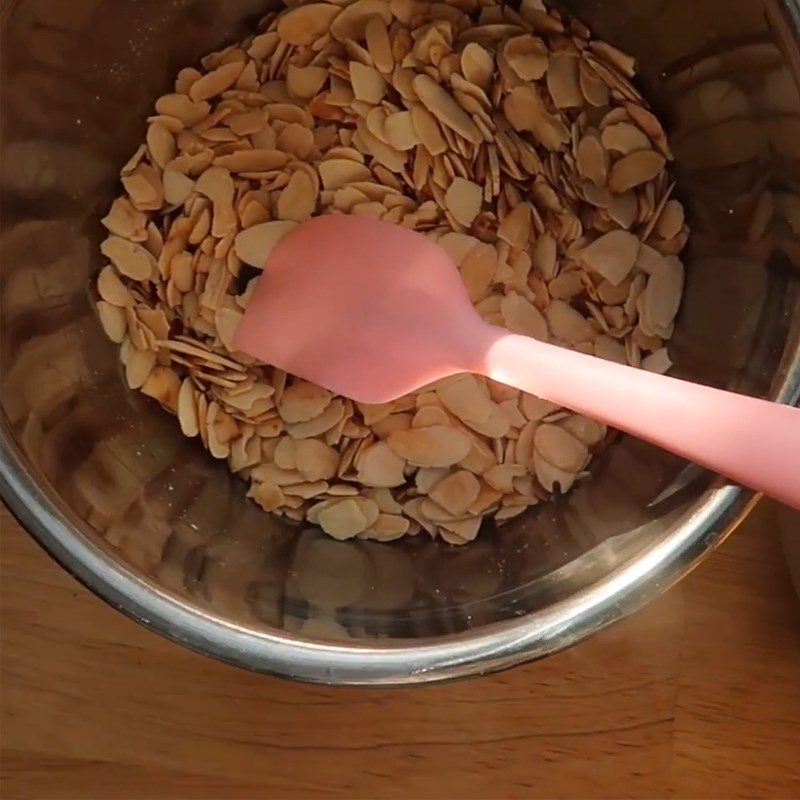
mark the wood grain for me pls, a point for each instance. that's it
(696, 696)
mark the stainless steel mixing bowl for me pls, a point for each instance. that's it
(104, 480)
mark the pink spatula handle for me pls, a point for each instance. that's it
(753, 442)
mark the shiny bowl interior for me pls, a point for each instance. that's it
(103, 478)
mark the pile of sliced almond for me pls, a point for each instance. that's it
(511, 138)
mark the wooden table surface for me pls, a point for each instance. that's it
(697, 696)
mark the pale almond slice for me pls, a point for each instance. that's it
(501, 477)
(305, 82)
(299, 199)
(163, 385)
(457, 492)
(460, 531)
(399, 131)
(124, 220)
(161, 144)
(330, 417)
(378, 466)
(568, 324)
(477, 270)
(428, 416)
(274, 474)
(139, 366)
(339, 172)
(183, 108)
(388, 527)
(306, 490)
(129, 258)
(465, 398)
(112, 289)
(560, 448)
(254, 245)
(551, 477)
(521, 316)
(216, 81)
(436, 446)
(612, 255)
(525, 111)
(496, 427)
(187, 409)
(178, 187)
(285, 454)
(589, 431)
(303, 401)
(112, 318)
(144, 187)
(428, 130)
(351, 23)
(368, 84)
(635, 169)
(342, 520)
(463, 200)
(315, 460)
(527, 56)
(442, 105)
(379, 44)
(661, 297)
(670, 221)
(516, 227)
(268, 495)
(303, 25)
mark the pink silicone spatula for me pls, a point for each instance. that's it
(373, 311)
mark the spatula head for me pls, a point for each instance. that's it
(365, 308)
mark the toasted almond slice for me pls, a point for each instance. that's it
(303, 25)
(285, 454)
(378, 466)
(612, 255)
(477, 64)
(501, 477)
(551, 477)
(342, 520)
(592, 159)
(388, 527)
(130, 259)
(635, 169)
(527, 56)
(368, 84)
(305, 82)
(379, 45)
(516, 227)
(163, 385)
(183, 108)
(563, 80)
(661, 297)
(254, 245)
(161, 144)
(624, 138)
(525, 111)
(178, 187)
(216, 82)
(521, 316)
(441, 104)
(670, 222)
(126, 221)
(187, 409)
(399, 131)
(457, 492)
(560, 448)
(315, 460)
(436, 446)
(268, 495)
(351, 23)
(338, 172)
(252, 160)
(139, 366)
